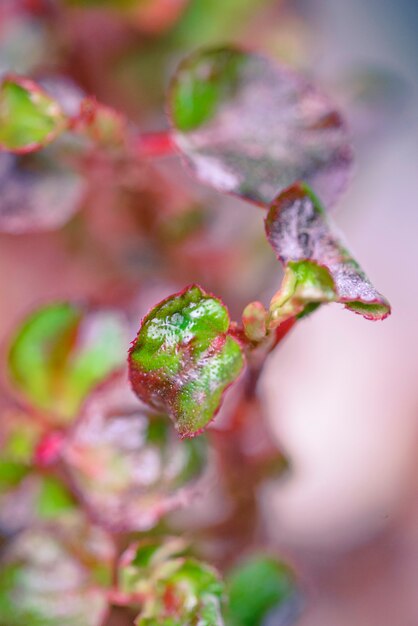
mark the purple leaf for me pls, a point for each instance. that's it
(53, 574)
(251, 127)
(128, 466)
(37, 193)
(318, 267)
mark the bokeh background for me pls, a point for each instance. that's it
(341, 394)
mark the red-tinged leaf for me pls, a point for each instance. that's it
(26, 495)
(184, 358)
(129, 467)
(251, 127)
(38, 193)
(176, 590)
(318, 268)
(29, 118)
(52, 575)
(61, 352)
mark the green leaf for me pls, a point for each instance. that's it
(54, 499)
(250, 127)
(29, 118)
(61, 352)
(183, 358)
(256, 587)
(19, 436)
(176, 590)
(318, 268)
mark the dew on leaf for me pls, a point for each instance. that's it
(183, 358)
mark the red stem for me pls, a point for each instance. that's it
(154, 145)
(283, 330)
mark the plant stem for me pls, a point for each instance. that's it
(154, 145)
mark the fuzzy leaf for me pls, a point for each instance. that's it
(318, 267)
(29, 118)
(256, 588)
(44, 580)
(38, 192)
(176, 590)
(183, 358)
(61, 352)
(130, 468)
(251, 127)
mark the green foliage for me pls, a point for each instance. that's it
(60, 353)
(29, 118)
(176, 590)
(183, 358)
(256, 587)
(250, 127)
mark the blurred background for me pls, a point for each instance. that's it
(341, 394)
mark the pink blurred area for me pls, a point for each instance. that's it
(342, 393)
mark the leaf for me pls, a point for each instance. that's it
(29, 118)
(256, 588)
(44, 580)
(61, 352)
(248, 126)
(129, 467)
(318, 267)
(26, 495)
(19, 435)
(175, 590)
(54, 499)
(183, 358)
(39, 192)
